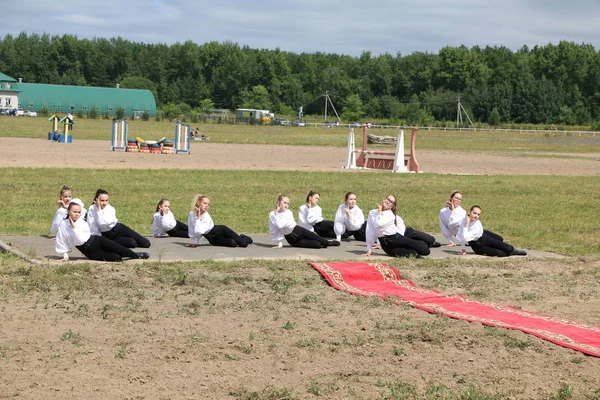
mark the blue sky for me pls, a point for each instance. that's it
(343, 27)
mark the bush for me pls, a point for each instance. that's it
(120, 113)
(80, 113)
(146, 116)
(44, 111)
(93, 114)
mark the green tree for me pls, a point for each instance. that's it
(353, 109)
(494, 117)
(257, 98)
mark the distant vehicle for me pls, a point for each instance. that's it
(354, 125)
(299, 122)
(30, 113)
(20, 112)
(281, 121)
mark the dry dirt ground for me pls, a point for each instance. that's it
(261, 329)
(206, 155)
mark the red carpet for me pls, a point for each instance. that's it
(382, 280)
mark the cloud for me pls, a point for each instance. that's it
(343, 27)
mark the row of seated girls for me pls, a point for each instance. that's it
(99, 236)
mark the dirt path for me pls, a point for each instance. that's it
(18, 152)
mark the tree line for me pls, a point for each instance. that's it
(551, 84)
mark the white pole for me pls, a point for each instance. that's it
(350, 154)
(399, 157)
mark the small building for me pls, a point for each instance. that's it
(9, 94)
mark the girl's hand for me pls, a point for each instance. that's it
(463, 252)
(367, 254)
(279, 246)
(450, 205)
(379, 208)
(451, 244)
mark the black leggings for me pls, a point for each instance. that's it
(325, 229)
(301, 237)
(180, 230)
(420, 236)
(126, 236)
(402, 246)
(224, 236)
(491, 244)
(359, 234)
(100, 248)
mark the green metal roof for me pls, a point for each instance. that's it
(6, 78)
(72, 99)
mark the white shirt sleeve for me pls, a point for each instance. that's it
(315, 215)
(357, 219)
(371, 232)
(339, 222)
(161, 224)
(64, 239)
(281, 224)
(59, 215)
(444, 220)
(303, 212)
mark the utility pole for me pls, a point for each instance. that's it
(328, 100)
(459, 110)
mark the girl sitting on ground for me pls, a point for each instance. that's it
(310, 217)
(74, 231)
(388, 228)
(164, 222)
(200, 223)
(452, 216)
(483, 242)
(64, 198)
(103, 221)
(283, 226)
(349, 219)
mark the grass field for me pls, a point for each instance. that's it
(546, 213)
(512, 142)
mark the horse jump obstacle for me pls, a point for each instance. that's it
(181, 144)
(120, 130)
(399, 161)
(182, 137)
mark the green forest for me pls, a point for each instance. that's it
(551, 84)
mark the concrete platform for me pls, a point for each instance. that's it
(174, 249)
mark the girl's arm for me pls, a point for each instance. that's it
(314, 215)
(62, 244)
(107, 218)
(339, 223)
(59, 215)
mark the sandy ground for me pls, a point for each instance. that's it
(17, 152)
(260, 329)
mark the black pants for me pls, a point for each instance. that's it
(325, 229)
(402, 246)
(100, 248)
(224, 236)
(420, 236)
(301, 237)
(491, 244)
(360, 234)
(180, 230)
(126, 236)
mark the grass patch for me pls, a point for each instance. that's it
(536, 212)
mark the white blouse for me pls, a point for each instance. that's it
(383, 225)
(198, 226)
(161, 224)
(466, 235)
(61, 214)
(309, 216)
(68, 236)
(101, 220)
(450, 222)
(281, 224)
(343, 221)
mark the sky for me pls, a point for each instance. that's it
(347, 27)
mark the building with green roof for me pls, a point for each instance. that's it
(73, 99)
